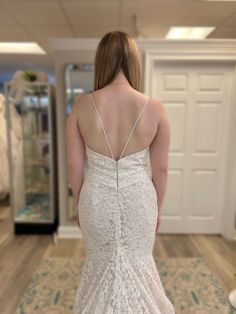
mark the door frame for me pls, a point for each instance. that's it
(223, 51)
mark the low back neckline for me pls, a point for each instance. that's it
(120, 159)
(128, 138)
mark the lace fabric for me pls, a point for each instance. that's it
(118, 226)
(118, 214)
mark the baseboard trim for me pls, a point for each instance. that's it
(69, 233)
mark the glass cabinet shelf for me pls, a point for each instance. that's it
(32, 158)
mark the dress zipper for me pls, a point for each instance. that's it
(117, 175)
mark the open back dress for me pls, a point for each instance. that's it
(118, 215)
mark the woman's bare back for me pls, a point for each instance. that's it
(118, 109)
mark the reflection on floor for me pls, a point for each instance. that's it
(6, 226)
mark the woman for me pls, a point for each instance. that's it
(116, 129)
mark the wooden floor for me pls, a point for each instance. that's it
(20, 256)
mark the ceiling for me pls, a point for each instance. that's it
(34, 20)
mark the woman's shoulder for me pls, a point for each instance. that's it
(81, 101)
(81, 98)
(156, 104)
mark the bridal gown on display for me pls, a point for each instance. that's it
(118, 214)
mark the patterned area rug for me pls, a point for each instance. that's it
(188, 282)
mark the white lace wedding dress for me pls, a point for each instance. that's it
(118, 215)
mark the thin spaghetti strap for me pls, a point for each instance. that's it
(134, 125)
(102, 126)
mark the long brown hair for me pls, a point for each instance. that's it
(117, 51)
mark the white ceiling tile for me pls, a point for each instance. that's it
(36, 13)
(88, 13)
(153, 31)
(224, 32)
(151, 12)
(45, 19)
(146, 31)
(46, 32)
(13, 33)
(204, 13)
(93, 31)
(176, 13)
(5, 17)
(129, 29)
(231, 21)
(87, 0)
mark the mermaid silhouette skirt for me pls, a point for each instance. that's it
(118, 215)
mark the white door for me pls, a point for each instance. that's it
(197, 99)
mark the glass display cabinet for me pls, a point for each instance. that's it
(78, 80)
(31, 137)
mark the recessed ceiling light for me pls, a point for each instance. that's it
(21, 47)
(189, 32)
